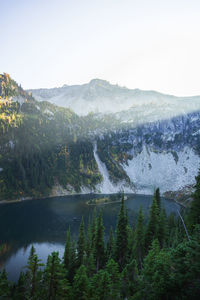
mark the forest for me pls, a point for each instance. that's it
(159, 259)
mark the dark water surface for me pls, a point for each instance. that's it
(44, 223)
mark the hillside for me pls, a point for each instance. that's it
(50, 150)
(99, 96)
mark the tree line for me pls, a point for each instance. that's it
(157, 260)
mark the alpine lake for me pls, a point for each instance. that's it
(44, 223)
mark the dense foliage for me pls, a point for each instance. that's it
(134, 263)
(42, 146)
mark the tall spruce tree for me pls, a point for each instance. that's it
(114, 286)
(100, 284)
(152, 227)
(81, 285)
(34, 274)
(81, 244)
(121, 247)
(139, 236)
(162, 228)
(158, 199)
(67, 252)
(194, 213)
(57, 286)
(99, 248)
(4, 285)
(110, 245)
(20, 291)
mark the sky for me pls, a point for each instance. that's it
(145, 44)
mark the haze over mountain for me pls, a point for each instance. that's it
(99, 96)
(138, 140)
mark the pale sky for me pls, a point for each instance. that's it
(146, 44)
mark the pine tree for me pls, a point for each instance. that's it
(194, 213)
(20, 292)
(93, 228)
(4, 285)
(162, 228)
(110, 245)
(152, 227)
(88, 246)
(100, 284)
(114, 286)
(67, 252)
(55, 281)
(121, 247)
(158, 199)
(99, 248)
(156, 274)
(81, 244)
(33, 273)
(129, 279)
(139, 236)
(81, 285)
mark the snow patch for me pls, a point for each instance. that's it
(47, 111)
(11, 144)
(165, 172)
(1, 169)
(19, 99)
(196, 133)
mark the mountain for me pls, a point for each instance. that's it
(99, 96)
(149, 140)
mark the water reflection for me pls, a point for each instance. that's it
(44, 223)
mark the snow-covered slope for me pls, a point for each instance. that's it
(151, 169)
(163, 132)
(101, 96)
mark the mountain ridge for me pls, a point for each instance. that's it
(99, 96)
(46, 149)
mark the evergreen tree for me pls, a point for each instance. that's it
(55, 281)
(99, 248)
(33, 273)
(158, 199)
(88, 246)
(20, 292)
(4, 286)
(69, 258)
(121, 247)
(114, 286)
(129, 279)
(93, 228)
(110, 245)
(67, 252)
(156, 274)
(100, 285)
(81, 244)
(90, 263)
(194, 213)
(162, 228)
(139, 236)
(81, 285)
(152, 227)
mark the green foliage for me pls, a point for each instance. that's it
(121, 247)
(168, 271)
(99, 247)
(81, 245)
(139, 236)
(152, 228)
(81, 285)
(194, 214)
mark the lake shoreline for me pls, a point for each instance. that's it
(77, 194)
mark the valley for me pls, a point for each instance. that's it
(48, 150)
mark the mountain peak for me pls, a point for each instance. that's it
(98, 82)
